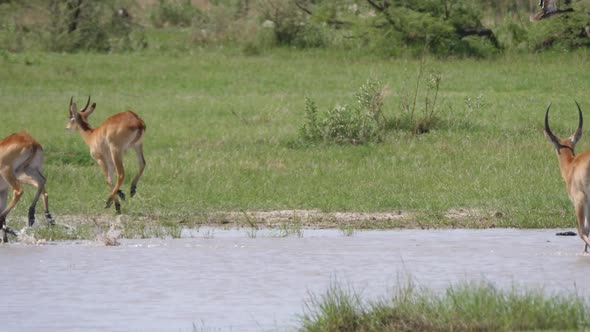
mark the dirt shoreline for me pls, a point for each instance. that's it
(455, 218)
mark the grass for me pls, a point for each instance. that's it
(465, 307)
(222, 130)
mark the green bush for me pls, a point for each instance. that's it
(437, 27)
(67, 26)
(179, 13)
(91, 26)
(225, 24)
(567, 31)
(290, 25)
(357, 124)
(512, 34)
(419, 103)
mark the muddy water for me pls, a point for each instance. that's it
(215, 280)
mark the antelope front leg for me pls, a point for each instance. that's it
(17, 190)
(6, 230)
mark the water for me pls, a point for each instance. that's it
(216, 280)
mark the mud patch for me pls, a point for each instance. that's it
(311, 218)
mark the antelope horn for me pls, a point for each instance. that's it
(547, 129)
(87, 103)
(578, 132)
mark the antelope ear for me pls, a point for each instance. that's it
(90, 110)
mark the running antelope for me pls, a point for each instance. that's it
(21, 160)
(575, 171)
(108, 142)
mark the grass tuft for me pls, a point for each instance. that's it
(465, 307)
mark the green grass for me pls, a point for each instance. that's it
(465, 307)
(222, 130)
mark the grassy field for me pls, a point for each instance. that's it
(222, 129)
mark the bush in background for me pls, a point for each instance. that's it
(444, 27)
(568, 31)
(290, 25)
(359, 124)
(68, 26)
(180, 13)
(384, 27)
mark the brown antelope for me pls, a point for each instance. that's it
(108, 142)
(21, 160)
(575, 171)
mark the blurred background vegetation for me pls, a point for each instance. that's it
(444, 28)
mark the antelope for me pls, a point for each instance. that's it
(108, 142)
(575, 171)
(21, 160)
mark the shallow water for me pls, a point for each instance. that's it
(217, 280)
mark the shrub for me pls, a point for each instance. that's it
(357, 124)
(420, 118)
(566, 31)
(441, 25)
(89, 25)
(310, 130)
(512, 34)
(179, 13)
(68, 26)
(291, 26)
(224, 24)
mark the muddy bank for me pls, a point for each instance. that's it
(109, 228)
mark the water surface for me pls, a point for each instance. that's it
(240, 280)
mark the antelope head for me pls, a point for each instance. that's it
(79, 119)
(569, 143)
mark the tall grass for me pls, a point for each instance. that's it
(465, 307)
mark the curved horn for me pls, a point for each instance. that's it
(578, 132)
(548, 131)
(87, 103)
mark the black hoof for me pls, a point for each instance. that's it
(118, 207)
(49, 218)
(10, 231)
(133, 191)
(31, 217)
(109, 203)
(121, 194)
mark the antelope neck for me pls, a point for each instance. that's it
(561, 146)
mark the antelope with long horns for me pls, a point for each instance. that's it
(21, 161)
(108, 142)
(575, 171)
